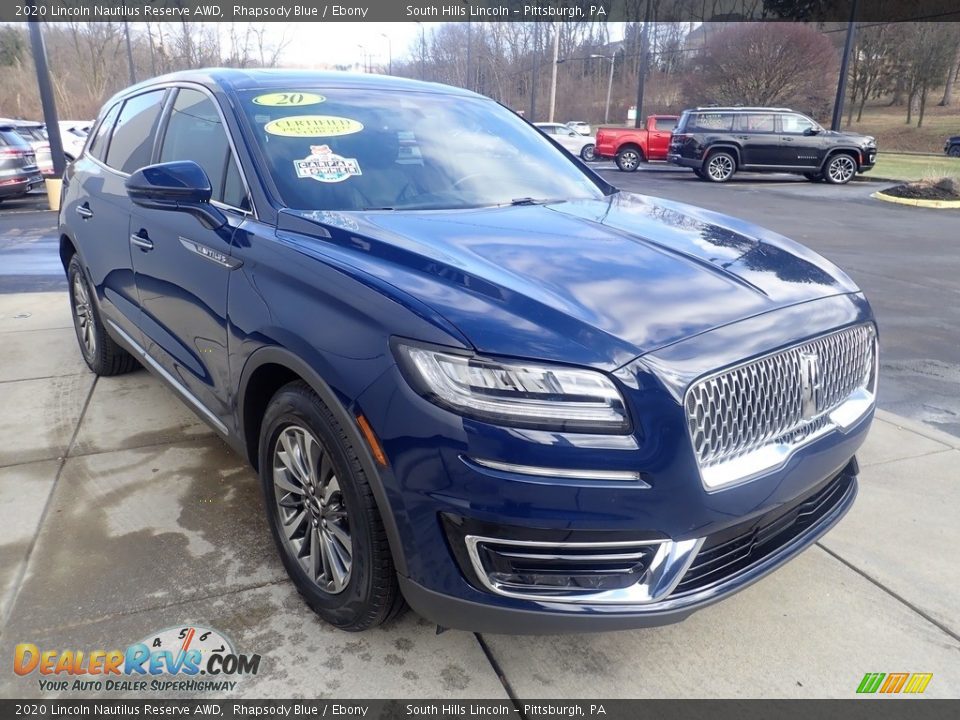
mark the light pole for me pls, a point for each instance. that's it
(423, 51)
(613, 61)
(389, 53)
(553, 77)
(363, 56)
(46, 94)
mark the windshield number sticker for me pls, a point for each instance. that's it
(287, 99)
(313, 126)
(324, 165)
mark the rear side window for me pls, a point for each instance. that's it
(665, 124)
(757, 122)
(12, 138)
(195, 132)
(132, 142)
(98, 145)
(710, 122)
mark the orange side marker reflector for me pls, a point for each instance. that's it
(372, 441)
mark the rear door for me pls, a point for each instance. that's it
(182, 267)
(658, 139)
(759, 139)
(99, 208)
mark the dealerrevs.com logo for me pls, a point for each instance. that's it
(894, 683)
(180, 659)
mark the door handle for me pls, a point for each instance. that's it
(144, 243)
(84, 211)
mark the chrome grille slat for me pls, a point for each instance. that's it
(762, 402)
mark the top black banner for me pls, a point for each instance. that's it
(482, 10)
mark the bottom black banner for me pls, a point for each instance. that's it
(872, 709)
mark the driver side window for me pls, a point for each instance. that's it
(796, 124)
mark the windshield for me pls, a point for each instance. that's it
(351, 149)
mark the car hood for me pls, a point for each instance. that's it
(856, 138)
(594, 282)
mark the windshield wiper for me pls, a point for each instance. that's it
(531, 201)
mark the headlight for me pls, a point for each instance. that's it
(518, 394)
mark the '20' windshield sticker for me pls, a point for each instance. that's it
(313, 126)
(324, 165)
(288, 99)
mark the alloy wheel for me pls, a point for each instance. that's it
(720, 167)
(83, 316)
(629, 160)
(587, 153)
(841, 169)
(313, 518)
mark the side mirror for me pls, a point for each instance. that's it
(181, 185)
(811, 131)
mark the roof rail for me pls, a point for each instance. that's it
(737, 108)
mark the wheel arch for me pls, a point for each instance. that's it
(631, 145)
(266, 371)
(842, 150)
(718, 147)
(68, 248)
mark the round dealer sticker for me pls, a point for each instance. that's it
(288, 99)
(308, 126)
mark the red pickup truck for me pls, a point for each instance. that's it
(631, 146)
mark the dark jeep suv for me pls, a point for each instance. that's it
(718, 141)
(952, 146)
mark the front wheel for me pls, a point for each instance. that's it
(588, 153)
(322, 513)
(628, 159)
(840, 170)
(954, 151)
(720, 167)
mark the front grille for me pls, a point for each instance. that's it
(733, 550)
(779, 398)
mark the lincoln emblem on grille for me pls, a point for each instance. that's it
(809, 383)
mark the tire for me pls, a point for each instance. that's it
(315, 509)
(587, 153)
(102, 355)
(814, 176)
(840, 169)
(629, 158)
(719, 166)
(954, 151)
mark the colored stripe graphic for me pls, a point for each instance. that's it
(918, 682)
(871, 682)
(894, 682)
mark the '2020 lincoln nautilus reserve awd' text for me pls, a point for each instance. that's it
(470, 373)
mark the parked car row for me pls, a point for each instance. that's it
(25, 155)
(716, 142)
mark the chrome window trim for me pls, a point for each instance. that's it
(768, 458)
(628, 476)
(670, 563)
(252, 212)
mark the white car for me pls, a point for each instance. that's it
(580, 126)
(574, 142)
(73, 135)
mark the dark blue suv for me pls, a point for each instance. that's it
(471, 374)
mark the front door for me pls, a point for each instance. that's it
(183, 268)
(801, 139)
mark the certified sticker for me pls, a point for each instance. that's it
(324, 165)
(288, 99)
(313, 126)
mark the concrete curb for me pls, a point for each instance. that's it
(932, 204)
(915, 426)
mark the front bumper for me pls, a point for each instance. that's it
(458, 613)
(440, 467)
